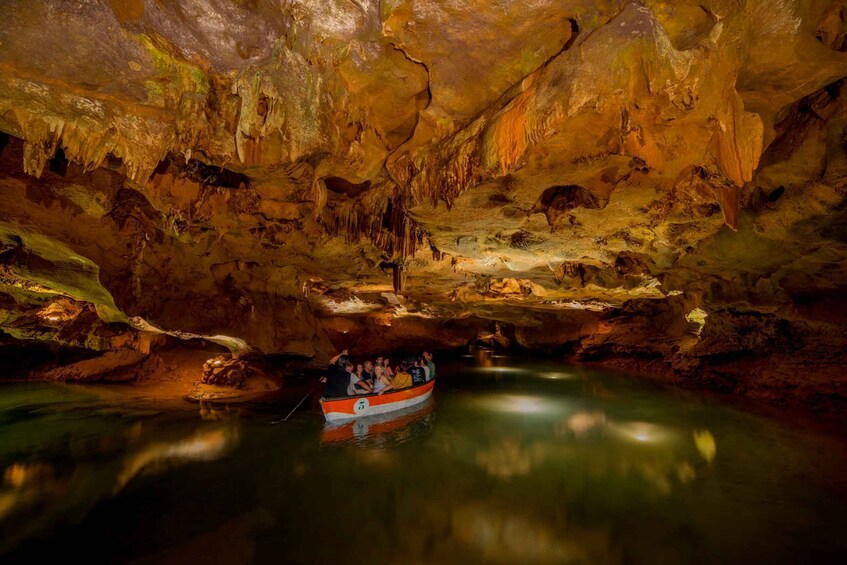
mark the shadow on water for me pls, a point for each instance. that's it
(510, 462)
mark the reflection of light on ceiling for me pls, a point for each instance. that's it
(354, 305)
(592, 305)
(697, 316)
(236, 345)
(60, 310)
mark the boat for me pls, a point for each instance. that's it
(371, 404)
(392, 427)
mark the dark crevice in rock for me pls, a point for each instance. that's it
(203, 174)
(4, 141)
(557, 200)
(572, 39)
(339, 185)
(132, 205)
(417, 116)
(798, 119)
(58, 164)
(19, 357)
(776, 193)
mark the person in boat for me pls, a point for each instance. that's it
(381, 380)
(367, 373)
(387, 364)
(429, 364)
(337, 378)
(401, 380)
(357, 385)
(417, 371)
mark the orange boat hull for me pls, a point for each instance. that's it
(372, 404)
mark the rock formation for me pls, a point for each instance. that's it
(657, 185)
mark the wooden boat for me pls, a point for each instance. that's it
(387, 427)
(371, 404)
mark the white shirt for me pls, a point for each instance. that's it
(351, 388)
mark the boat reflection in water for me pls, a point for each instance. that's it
(382, 429)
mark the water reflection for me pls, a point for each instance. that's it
(36, 494)
(73, 471)
(644, 432)
(383, 429)
(521, 404)
(706, 444)
(512, 537)
(581, 423)
(213, 411)
(518, 468)
(204, 445)
(507, 457)
(537, 435)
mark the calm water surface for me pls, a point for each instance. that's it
(530, 463)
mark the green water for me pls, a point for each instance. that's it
(520, 464)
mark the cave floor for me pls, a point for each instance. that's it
(512, 461)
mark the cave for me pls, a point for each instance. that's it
(547, 282)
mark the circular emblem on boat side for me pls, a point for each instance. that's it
(361, 405)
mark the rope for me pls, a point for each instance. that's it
(295, 408)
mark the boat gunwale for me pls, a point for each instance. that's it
(324, 400)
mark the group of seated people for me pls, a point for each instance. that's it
(369, 377)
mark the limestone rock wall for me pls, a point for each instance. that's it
(578, 175)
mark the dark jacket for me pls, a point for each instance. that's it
(337, 380)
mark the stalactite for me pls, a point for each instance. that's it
(397, 278)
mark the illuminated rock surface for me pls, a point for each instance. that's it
(294, 177)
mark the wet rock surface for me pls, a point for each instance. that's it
(291, 178)
(226, 372)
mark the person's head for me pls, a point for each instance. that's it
(379, 360)
(379, 370)
(359, 368)
(348, 366)
(387, 361)
(427, 356)
(343, 360)
(369, 366)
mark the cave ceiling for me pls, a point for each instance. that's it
(273, 175)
